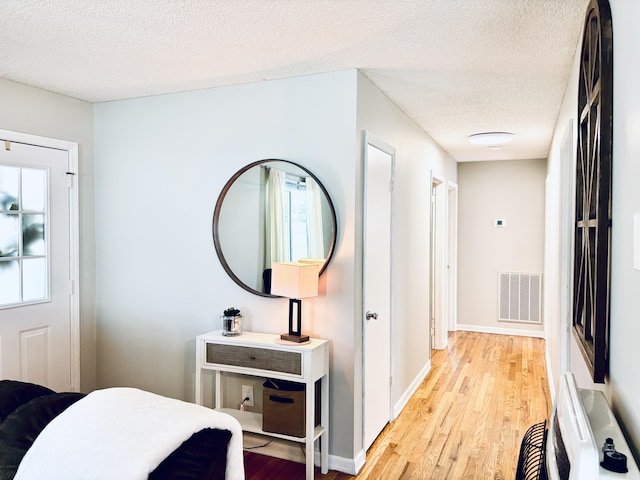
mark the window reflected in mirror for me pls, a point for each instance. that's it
(272, 211)
(294, 209)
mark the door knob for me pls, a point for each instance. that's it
(370, 315)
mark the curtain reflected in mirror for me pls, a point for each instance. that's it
(275, 215)
(272, 211)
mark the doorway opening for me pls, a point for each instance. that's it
(443, 261)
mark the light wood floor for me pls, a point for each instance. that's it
(465, 421)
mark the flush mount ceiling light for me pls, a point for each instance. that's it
(491, 138)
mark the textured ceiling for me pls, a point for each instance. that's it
(456, 67)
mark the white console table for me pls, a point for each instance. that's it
(264, 355)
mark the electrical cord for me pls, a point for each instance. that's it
(260, 446)
(246, 399)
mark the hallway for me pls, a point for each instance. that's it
(465, 421)
(468, 416)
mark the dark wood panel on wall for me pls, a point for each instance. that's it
(592, 257)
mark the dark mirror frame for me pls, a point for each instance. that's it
(216, 221)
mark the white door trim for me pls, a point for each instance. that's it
(74, 238)
(452, 254)
(439, 287)
(567, 244)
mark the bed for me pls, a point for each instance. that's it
(115, 433)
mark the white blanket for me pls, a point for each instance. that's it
(124, 434)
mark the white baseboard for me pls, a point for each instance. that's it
(291, 451)
(501, 330)
(350, 466)
(408, 393)
(552, 389)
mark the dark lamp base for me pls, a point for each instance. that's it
(294, 338)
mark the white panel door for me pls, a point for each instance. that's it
(35, 315)
(377, 292)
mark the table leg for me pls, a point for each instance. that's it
(199, 398)
(309, 429)
(218, 382)
(324, 417)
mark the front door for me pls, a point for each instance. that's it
(377, 289)
(35, 258)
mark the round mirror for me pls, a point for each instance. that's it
(272, 211)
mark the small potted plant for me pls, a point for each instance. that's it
(231, 322)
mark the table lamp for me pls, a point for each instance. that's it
(295, 280)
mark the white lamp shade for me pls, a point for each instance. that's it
(294, 279)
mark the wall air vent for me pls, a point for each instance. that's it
(520, 297)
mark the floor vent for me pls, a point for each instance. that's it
(520, 297)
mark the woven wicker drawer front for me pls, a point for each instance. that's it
(250, 357)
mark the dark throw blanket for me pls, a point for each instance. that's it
(26, 409)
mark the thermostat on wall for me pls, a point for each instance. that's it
(499, 222)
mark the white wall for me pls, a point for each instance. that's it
(417, 156)
(625, 280)
(160, 164)
(560, 201)
(623, 384)
(38, 112)
(509, 190)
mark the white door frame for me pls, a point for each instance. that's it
(452, 254)
(438, 291)
(370, 139)
(567, 244)
(74, 238)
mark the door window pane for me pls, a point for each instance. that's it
(34, 189)
(9, 182)
(33, 238)
(34, 279)
(9, 282)
(9, 234)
